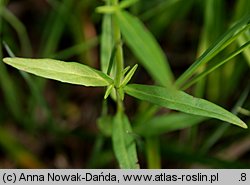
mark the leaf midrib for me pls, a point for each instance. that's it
(186, 105)
(96, 76)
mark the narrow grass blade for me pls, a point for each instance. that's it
(152, 148)
(181, 101)
(215, 48)
(213, 23)
(166, 123)
(55, 26)
(241, 8)
(145, 47)
(35, 85)
(165, 7)
(243, 39)
(69, 72)
(20, 29)
(215, 64)
(220, 131)
(10, 93)
(9, 89)
(162, 13)
(123, 142)
(76, 49)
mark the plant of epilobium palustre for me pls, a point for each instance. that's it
(119, 25)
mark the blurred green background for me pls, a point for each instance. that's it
(47, 124)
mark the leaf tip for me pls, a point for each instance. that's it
(244, 125)
(108, 91)
(6, 60)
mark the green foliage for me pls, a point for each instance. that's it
(213, 65)
(106, 41)
(181, 101)
(226, 39)
(69, 72)
(56, 23)
(218, 54)
(145, 47)
(128, 77)
(20, 29)
(124, 142)
(10, 92)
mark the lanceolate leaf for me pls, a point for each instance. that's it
(145, 47)
(123, 142)
(179, 100)
(106, 40)
(69, 72)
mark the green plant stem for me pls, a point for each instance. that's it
(119, 63)
(119, 53)
(153, 153)
(118, 59)
(119, 102)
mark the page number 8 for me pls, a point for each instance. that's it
(243, 177)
